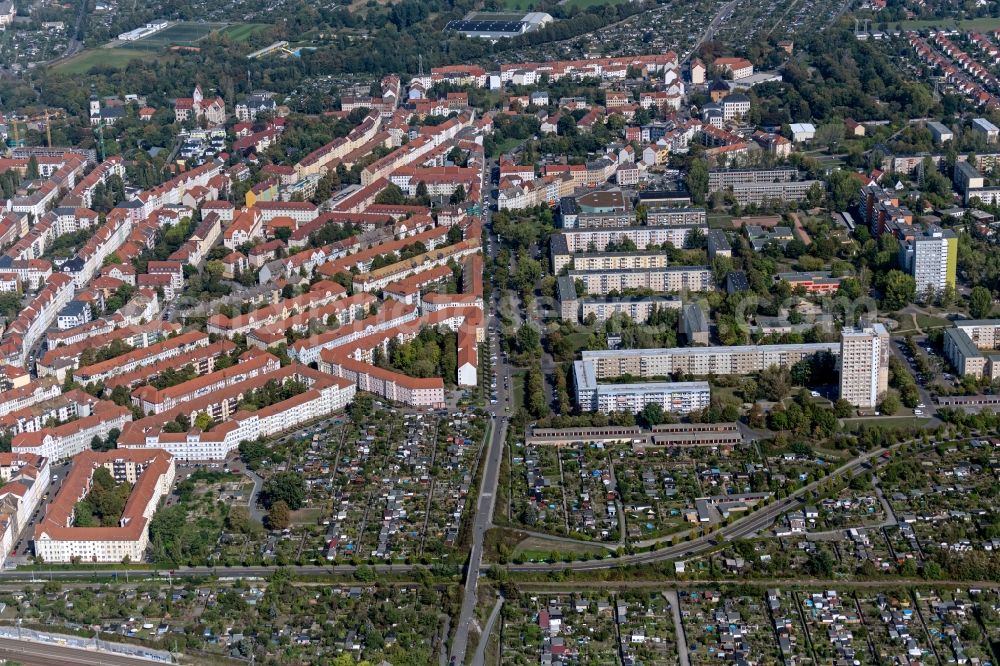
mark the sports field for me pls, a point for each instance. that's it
(178, 34)
(119, 54)
(241, 32)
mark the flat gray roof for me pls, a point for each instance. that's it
(962, 340)
(833, 347)
(666, 269)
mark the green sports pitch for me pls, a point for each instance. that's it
(176, 34)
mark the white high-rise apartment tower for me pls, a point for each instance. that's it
(864, 365)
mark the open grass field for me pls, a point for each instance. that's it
(529, 547)
(585, 4)
(82, 62)
(719, 221)
(243, 31)
(887, 422)
(179, 34)
(536, 548)
(519, 5)
(496, 16)
(985, 23)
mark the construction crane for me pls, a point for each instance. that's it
(48, 129)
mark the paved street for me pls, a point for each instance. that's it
(483, 518)
(675, 610)
(479, 659)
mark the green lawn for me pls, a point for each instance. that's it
(495, 16)
(517, 390)
(928, 321)
(888, 422)
(986, 23)
(82, 62)
(506, 145)
(244, 31)
(579, 341)
(584, 4)
(719, 221)
(519, 5)
(536, 548)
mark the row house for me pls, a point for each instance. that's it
(84, 190)
(951, 73)
(202, 360)
(180, 344)
(378, 279)
(205, 236)
(302, 212)
(660, 100)
(391, 315)
(73, 438)
(151, 474)
(362, 259)
(12, 227)
(341, 312)
(546, 190)
(153, 401)
(65, 357)
(29, 326)
(25, 480)
(457, 75)
(325, 395)
(69, 220)
(408, 290)
(439, 181)
(36, 203)
(70, 405)
(32, 273)
(603, 68)
(354, 362)
(322, 293)
(108, 238)
(16, 399)
(173, 191)
(318, 161)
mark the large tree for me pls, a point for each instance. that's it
(898, 290)
(697, 180)
(980, 302)
(288, 487)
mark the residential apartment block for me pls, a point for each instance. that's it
(968, 345)
(672, 279)
(700, 361)
(150, 471)
(760, 185)
(638, 309)
(25, 479)
(931, 257)
(674, 397)
(864, 365)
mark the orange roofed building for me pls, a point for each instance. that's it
(151, 473)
